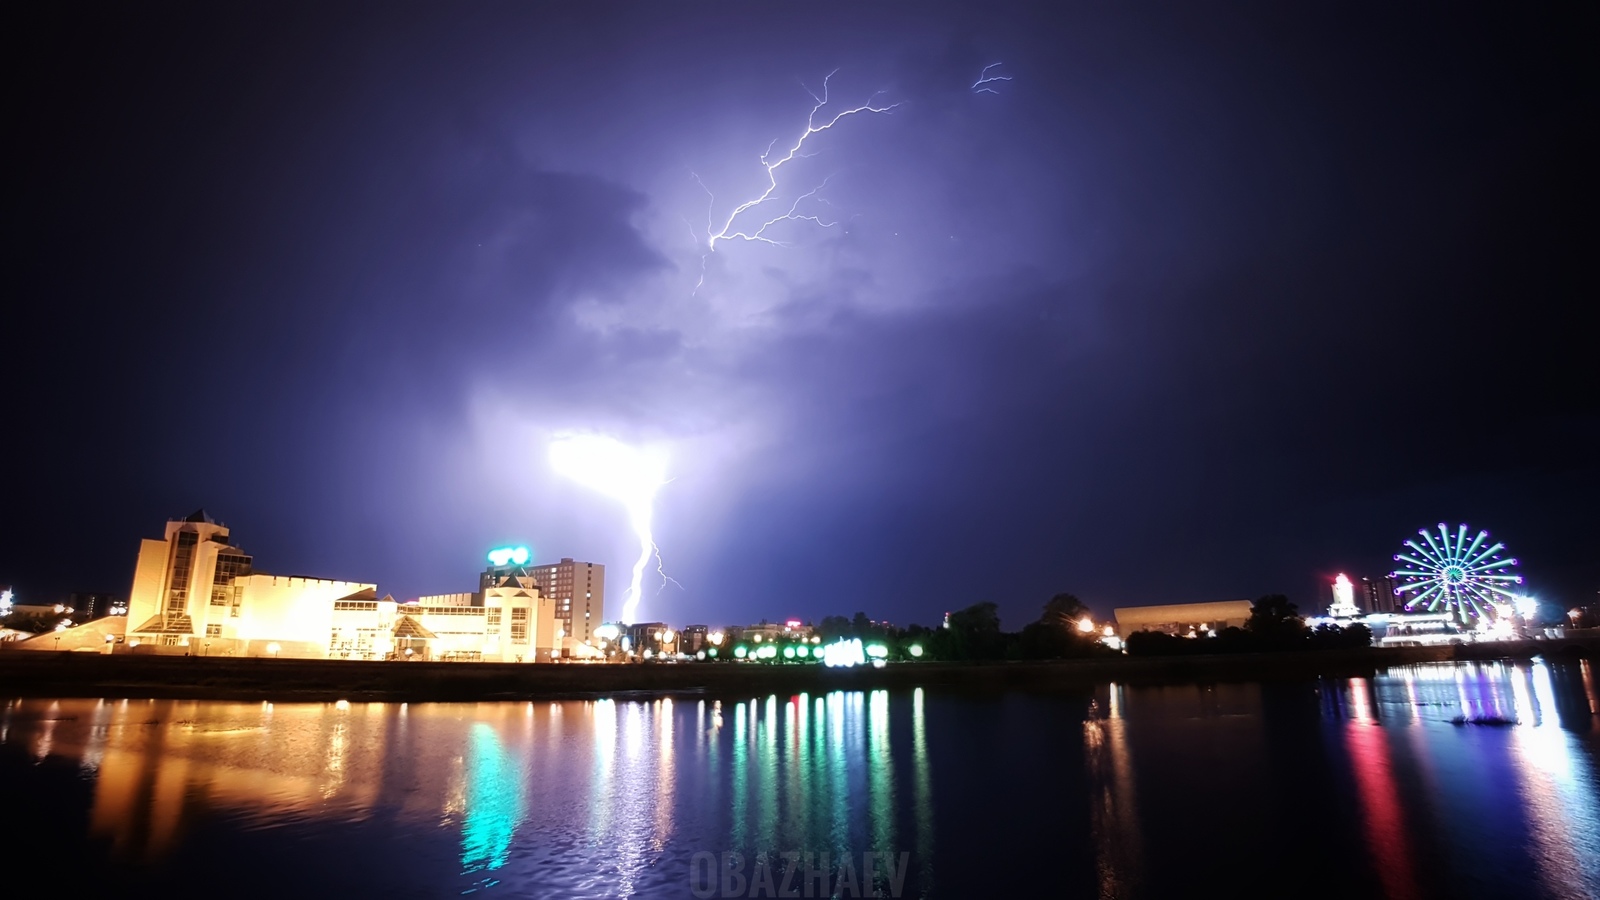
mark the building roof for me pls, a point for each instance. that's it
(199, 515)
(1132, 618)
(407, 627)
(176, 623)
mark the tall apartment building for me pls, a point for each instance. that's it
(1381, 595)
(579, 591)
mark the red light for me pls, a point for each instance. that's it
(792, 623)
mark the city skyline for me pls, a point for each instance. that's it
(1148, 309)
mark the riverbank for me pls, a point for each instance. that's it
(48, 674)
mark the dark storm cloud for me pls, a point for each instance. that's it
(1199, 305)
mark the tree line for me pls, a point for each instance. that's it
(974, 633)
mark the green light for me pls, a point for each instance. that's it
(817, 652)
(712, 653)
(788, 653)
(916, 649)
(516, 556)
(877, 651)
(741, 651)
(494, 804)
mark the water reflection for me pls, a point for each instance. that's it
(1113, 811)
(1558, 789)
(613, 798)
(1386, 835)
(494, 805)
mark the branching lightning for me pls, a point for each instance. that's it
(984, 79)
(626, 474)
(731, 228)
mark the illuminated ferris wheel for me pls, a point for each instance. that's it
(1447, 572)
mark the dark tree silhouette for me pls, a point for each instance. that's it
(1064, 611)
(1276, 621)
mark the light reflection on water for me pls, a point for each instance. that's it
(614, 797)
(1490, 709)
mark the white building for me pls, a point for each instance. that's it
(195, 593)
(1344, 599)
(1183, 619)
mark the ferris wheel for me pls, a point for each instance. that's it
(1447, 572)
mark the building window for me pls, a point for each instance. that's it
(213, 631)
(178, 587)
(519, 615)
(169, 640)
(494, 619)
(519, 633)
(229, 566)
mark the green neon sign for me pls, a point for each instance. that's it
(515, 556)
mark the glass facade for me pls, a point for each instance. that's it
(178, 577)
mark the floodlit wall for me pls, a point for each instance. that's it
(294, 613)
(145, 599)
(1179, 618)
(468, 599)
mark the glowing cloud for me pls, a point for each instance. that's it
(625, 474)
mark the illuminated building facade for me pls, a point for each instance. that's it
(1184, 619)
(1344, 599)
(579, 591)
(195, 593)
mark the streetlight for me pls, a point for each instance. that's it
(1085, 625)
(273, 649)
(111, 640)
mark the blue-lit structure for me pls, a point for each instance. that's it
(1447, 573)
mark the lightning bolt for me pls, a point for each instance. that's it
(731, 229)
(662, 571)
(984, 78)
(625, 474)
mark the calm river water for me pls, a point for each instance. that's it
(1360, 787)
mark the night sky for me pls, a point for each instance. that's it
(1199, 305)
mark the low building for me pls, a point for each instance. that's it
(1183, 618)
(695, 638)
(654, 638)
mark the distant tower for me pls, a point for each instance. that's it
(1344, 599)
(579, 589)
(1381, 595)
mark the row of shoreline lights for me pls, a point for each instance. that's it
(842, 653)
